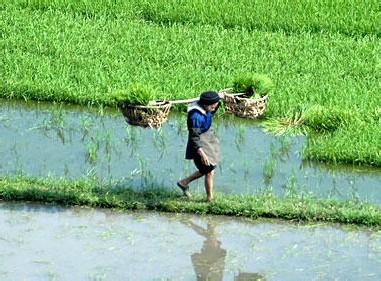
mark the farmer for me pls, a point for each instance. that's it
(203, 146)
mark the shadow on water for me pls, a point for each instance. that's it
(41, 139)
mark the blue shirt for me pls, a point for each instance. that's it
(198, 122)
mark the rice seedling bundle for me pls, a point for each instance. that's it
(248, 96)
(137, 107)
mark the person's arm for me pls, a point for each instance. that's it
(204, 158)
(194, 127)
(195, 124)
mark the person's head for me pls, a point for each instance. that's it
(209, 100)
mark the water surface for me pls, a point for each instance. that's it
(69, 141)
(42, 242)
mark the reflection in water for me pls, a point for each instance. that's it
(46, 242)
(209, 263)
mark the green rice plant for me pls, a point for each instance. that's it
(293, 125)
(86, 125)
(357, 143)
(56, 121)
(136, 94)
(291, 187)
(321, 118)
(246, 171)
(107, 141)
(101, 110)
(334, 191)
(354, 194)
(146, 177)
(273, 151)
(240, 137)
(377, 115)
(285, 145)
(253, 84)
(58, 118)
(92, 152)
(272, 16)
(352, 17)
(269, 170)
(160, 142)
(132, 136)
(171, 63)
(91, 174)
(19, 170)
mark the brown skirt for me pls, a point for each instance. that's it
(211, 146)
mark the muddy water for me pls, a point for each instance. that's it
(72, 142)
(53, 243)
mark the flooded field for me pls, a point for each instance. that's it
(72, 142)
(41, 242)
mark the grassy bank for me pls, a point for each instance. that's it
(85, 193)
(76, 52)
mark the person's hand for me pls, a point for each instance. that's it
(221, 95)
(204, 158)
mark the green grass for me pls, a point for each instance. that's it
(359, 143)
(55, 56)
(353, 17)
(350, 17)
(93, 194)
(84, 52)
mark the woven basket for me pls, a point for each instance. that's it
(244, 107)
(146, 115)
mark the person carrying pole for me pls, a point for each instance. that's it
(203, 146)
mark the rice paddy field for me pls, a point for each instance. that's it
(313, 158)
(323, 57)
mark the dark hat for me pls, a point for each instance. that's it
(208, 98)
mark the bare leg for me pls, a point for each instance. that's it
(209, 185)
(192, 177)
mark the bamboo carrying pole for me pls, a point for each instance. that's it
(184, 101)
(192, 99)
(152, 102)
(156, 112)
